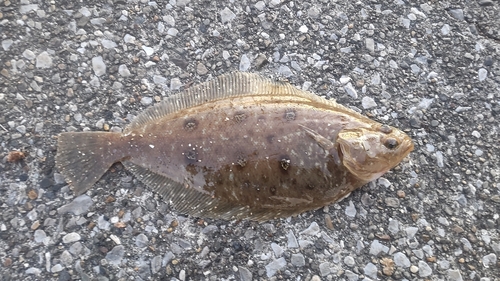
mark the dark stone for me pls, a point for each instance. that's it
(23, 177)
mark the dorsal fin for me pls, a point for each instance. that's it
(235, 84)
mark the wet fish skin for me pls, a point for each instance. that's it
(241, 147)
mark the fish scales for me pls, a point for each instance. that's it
(241, 147)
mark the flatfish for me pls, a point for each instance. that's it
(240, 146)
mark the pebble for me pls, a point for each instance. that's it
(457, 14)
(292, 241)
(371, 270)
(244, 63)
(285, 71)
(24, 9)
(260, 5)
(274, 266)
(108, 44)
(312, 230)
(303, 29)
(28, 54)
(80, 205)
(401, 260)
(349, 261)
(324, 268)
(454, 275)
(103, 223)
(370, 44)
(368, 102)
(57, 268)
(129, 38)
(201, 69)
(489, 260)
(156, 264)
(482, 74)
(66, 258)
(33, 271)
(76, 248)
(376, 248)
(71, 237)
(172, 31)
(413, 269)
(6, 44)
(21, 129)
(349, 89)
(445, 29)
(146, 100)
(157, 79)
(424, 269)
(148, 50)
(115, 255)
(43, 60)
(98, 66)
(175, 84)
(39, 236)
(298, 260)
(278, 251)
(393, 226)
(350, 210)
(227, 15)
(245, 274)
(392, 202)
(141, 241)
(439, 159)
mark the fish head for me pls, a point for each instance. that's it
(370, 152)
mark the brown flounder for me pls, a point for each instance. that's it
(240, 147)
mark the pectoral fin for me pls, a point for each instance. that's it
(330, 147)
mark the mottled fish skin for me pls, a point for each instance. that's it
(265, 150)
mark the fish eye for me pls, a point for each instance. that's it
(385, 129)
(391, 143)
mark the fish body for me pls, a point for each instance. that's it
(241, 147)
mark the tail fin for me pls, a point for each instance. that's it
(83, 157)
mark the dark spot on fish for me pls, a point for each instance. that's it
(190, 168)
(241, 160)
(285, 162)
(240, 117)
(190, 124)
(385, 129)
(273, 190)
(191, 156)
(270, 138)
(290, 114)
(391, 143)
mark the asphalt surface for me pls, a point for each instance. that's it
(429, 68)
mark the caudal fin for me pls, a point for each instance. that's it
(83, 157)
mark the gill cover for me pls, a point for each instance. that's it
(368, 153)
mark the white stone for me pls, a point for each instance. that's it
(368, 102)
(172, 31)
(401, 260)
(149, 51)
(274, 266)
(98, 66)
(71, 237)
(43, 60)
(244, 63)
(349, 89)
(227, 15)
(303, 29)
(482, 74)
(128, 38)
(123, 70)
(350, 210)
